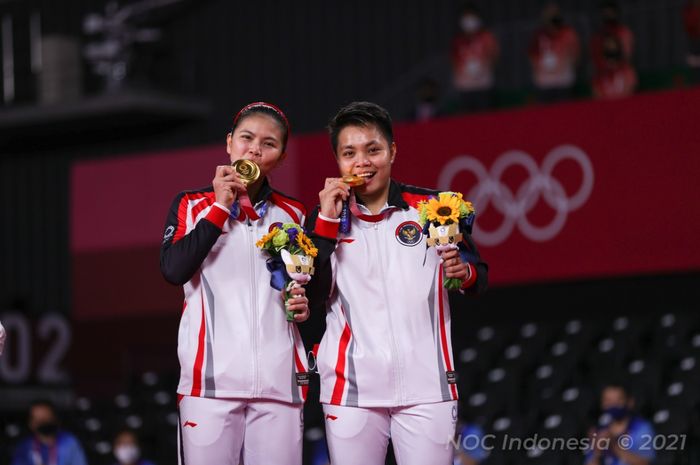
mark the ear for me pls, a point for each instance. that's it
(393, 152)
(286, 257)
(229, 142)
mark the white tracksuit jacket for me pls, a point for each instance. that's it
(234, 340)
(387, 339)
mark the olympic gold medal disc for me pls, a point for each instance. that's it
(353, 180)
(247, 170)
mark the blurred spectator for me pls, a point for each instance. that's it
(471, 449)
(2, 337)
(47, 444)
(474, 54)
(618, 419)
(554, 53)
(127, 449)
(611, 27)
(616, 77)
(427, 96)
(691, 19)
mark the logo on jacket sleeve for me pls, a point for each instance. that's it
(409, 233)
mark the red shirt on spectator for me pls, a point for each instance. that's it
(616, 81)
(473, 60)
(553, 54)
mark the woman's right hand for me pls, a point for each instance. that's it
(227, 184)
(332, 197)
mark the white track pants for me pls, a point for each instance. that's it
(421, 434)
(233, 431)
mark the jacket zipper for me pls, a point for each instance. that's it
(254, 299)
(394, 346)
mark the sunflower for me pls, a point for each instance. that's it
(306, 245)
(267, 237)
(445, 209)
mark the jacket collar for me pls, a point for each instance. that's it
(264, 192)
(395, 198)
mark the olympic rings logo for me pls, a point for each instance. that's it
(515, 206)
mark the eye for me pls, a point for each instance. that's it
(348, 154)
(298, 269)
(246, 136)
(270, 144)
(373, 149)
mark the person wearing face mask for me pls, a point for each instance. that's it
(618, 418)
(617, 78)
(48, 444)
(385, 360)
(611, 26)
(554, 53)
(474, 53)
(243, 369)
(127, 449)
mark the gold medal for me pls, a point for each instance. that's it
(247, 170)
(353, 180)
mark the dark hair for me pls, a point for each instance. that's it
(470, 7)
(43, 403)
(615, 382)
(360, 114)
(610, 5)
(265, 109)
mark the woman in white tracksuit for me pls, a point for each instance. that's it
(385, 360)
(243, 366)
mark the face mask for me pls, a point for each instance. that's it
(470, 23)
(612, 54)
(47, 429)
(613, 414)
(127, 454)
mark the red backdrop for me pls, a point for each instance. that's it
(570, 191)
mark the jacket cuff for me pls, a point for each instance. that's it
(218, 214)
(471, 277)
(327, 228)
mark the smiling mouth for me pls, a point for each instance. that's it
(366, 176)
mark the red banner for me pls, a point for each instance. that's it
(572, 191)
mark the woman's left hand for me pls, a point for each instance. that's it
(453, 265)
(299, 304)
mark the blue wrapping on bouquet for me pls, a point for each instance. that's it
(278, 273)
(280, 280)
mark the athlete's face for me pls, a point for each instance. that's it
(259, 138)
(364, 151)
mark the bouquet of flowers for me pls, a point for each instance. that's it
(441, 218)
(291, 258)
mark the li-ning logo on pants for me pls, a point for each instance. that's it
(514, 207)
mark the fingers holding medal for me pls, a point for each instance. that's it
(332, 196)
